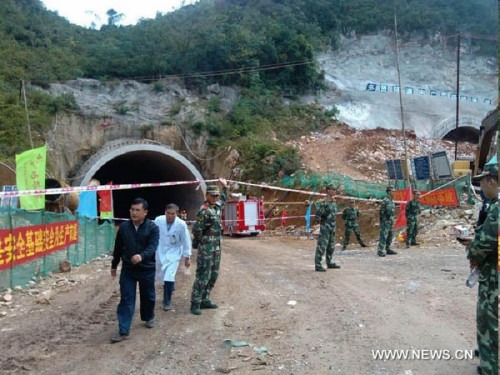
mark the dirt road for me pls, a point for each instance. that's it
(415, 300)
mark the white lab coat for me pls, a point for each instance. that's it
(173, 245)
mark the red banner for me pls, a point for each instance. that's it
(443, 197)
(24, 244)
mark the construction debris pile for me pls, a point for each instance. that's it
(362, 154)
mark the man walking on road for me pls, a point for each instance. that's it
(482, 253)
(350, 216)
(135, 245)
(207, 233)
(175, 244)
(411, 211)
(387, 209)
(325, 212)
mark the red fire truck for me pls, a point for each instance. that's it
(243, 215)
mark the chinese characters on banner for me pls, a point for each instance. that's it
(25, 244)
(30, 175)
(443, 197)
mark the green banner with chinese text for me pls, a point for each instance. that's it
(30, 175)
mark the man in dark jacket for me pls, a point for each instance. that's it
(135, 245)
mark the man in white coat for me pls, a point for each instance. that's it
(175, 244)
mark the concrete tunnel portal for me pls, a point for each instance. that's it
(144, 163)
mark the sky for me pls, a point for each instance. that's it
(84, 12)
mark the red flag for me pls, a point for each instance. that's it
(283, 218)
(106, 202)
(406, 196)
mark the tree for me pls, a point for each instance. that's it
(114, 17)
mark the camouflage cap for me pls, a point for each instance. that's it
(488, 170)
(213, 190)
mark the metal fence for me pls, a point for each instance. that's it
(93, 240)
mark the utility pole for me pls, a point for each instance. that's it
(23, 89)
(400, 95)
(458, 95)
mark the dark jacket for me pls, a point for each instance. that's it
(130, 242)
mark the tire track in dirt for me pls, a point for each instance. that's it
(400, 302)
(44, 332)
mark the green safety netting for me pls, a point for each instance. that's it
(94, 240)
(365, 189)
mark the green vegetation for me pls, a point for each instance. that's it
(266, 47)
(121, 107)
(38, 45)
(258, 126)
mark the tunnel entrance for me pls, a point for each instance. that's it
(463, 134)
(143, 164)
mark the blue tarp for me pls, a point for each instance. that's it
(88, 204)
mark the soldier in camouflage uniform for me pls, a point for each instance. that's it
(482, 253)
(325, 212)
(387, 209)
(411, 211)
(350, 216)
(207, 233)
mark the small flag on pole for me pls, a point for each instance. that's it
(308, 219)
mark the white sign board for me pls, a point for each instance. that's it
(441, 165)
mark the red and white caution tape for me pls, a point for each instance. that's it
(307, 192)
(79, 189)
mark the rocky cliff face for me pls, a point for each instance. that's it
(165, 111)
(428, 65)
(162, 112)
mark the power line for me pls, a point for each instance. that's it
(212, 73)
(191, 151)
(275, 66)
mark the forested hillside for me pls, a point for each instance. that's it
(263, 46)
(217, 35)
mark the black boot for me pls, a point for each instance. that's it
(333, 265)
(208, 305)
(195, 308)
